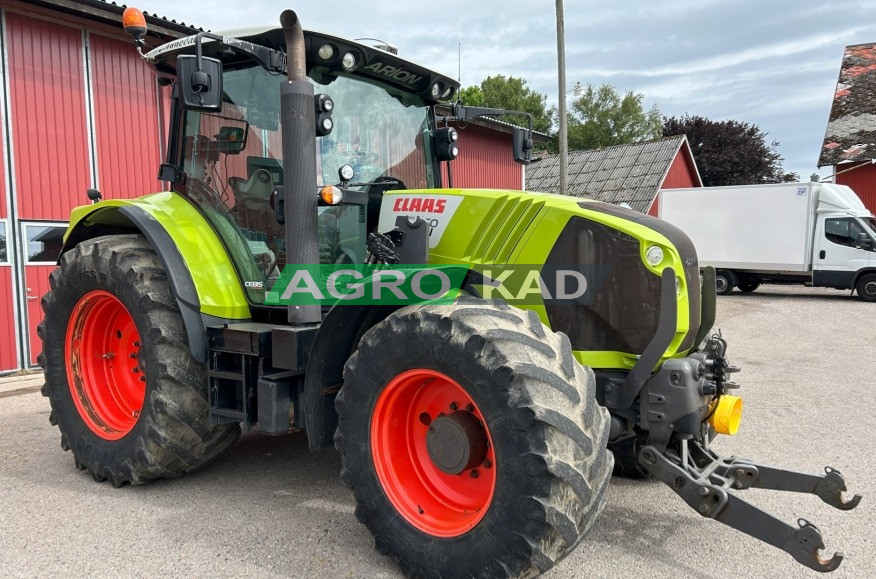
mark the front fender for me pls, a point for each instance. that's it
(199, 270)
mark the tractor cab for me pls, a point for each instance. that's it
(375, 130)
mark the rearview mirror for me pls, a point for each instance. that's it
(200, 83)
(231, 140)
(521, 143)
(863, 241)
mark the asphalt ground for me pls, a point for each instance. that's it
(270, 508)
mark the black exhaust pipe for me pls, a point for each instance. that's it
(298, 118)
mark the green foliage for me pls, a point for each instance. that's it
(472, 96)
(510, 93)
(730, 152)
(601, 118)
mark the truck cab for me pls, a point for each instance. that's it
(845, 239)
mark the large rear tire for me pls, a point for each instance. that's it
(472, 441)
(126, 393)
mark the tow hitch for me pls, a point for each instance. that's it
(704, 479)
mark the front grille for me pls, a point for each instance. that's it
(624, 315)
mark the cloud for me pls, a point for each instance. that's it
(774, 63)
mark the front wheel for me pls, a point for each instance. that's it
(126, 393)
(472, 441)
(866, 287)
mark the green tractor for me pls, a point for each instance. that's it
(478, 437)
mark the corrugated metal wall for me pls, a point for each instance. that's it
(862, 181)
(4, 211)
(79, 103)
(47, 99)
(125, 119)
(485, 160)
(8, 357)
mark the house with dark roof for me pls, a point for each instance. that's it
(850, 138)
(631, 174)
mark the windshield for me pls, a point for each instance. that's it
(871, 225)
(233, 162)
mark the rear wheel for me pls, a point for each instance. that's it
(866, 287)
(126, 394)
(724, 282)
(747, 285)
(472, 441)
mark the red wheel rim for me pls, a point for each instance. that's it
(430, 499)
(107, 385)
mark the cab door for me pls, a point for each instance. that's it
(838, 259)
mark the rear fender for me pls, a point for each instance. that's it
(199, 271)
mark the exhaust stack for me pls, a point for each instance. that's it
(298, 119)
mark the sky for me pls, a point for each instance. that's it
(773, 63)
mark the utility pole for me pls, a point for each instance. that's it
(561, 70)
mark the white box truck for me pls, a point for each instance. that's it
(818, 234)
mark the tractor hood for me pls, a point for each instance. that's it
(628, 250)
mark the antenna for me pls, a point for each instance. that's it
(459, 69)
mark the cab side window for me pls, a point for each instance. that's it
(840, 231)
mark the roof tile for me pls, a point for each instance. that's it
(629, 174)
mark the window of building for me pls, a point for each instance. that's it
(43, 243)
(3, 256)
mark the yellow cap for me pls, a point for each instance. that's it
(726, 417)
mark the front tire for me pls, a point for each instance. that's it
(472, 441)
(866, 287)
(126, 393)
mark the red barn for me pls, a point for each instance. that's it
(485, 156)
(850, 138)
(78, 109)
(631, 174)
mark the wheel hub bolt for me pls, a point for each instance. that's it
(474, 473)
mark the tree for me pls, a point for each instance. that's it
(472, 96)
(601, 118)
(510, 93)
(730, 152)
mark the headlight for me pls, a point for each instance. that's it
(654, 255)
(349, 61)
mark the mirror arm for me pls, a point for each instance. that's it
(198, 51)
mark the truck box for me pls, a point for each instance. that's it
(783, 232)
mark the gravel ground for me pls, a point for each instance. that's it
(270, 508)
